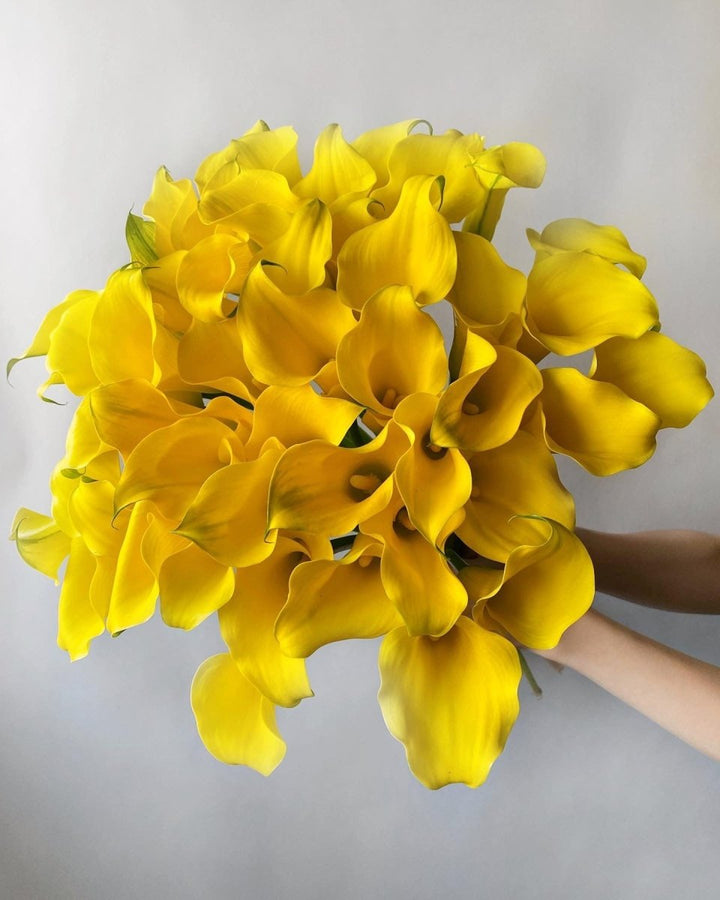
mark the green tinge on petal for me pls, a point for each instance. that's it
(654, 370)
(235, 722)
(451, 701)
(233, 532)
(517, 479)
(300, 253)
(170, 464)
(576, 301)
(544, 588)
(580, 235)
(321, 488)
(140, 237)
(39, 541)
(336, 600)
(596, 423)
(413, 246)
(247, 625)
(394, 350)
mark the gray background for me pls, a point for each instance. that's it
(105, 788)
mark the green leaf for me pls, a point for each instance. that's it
(140, 237)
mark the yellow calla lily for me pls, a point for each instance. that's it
(325, 489)
(294, 415)
(234, 533)
(210, 354)
(577, 235)
(79, 620)
(192, 586)
(488, 295)
(173, 205)
(596, 423)
(394, 350)
(274, 149)
(170, 464)
(483, 408)
(434, 482)
(509, 484)
(336, 600)
(247, 625)
(415, 574)
(337, 169)
(654, 370)
(212, 269)
(450, 155)
(299, 255)
(544, 587)
(40, 541)
(287, 339)
(377, 145)
(236, 723)
(413, 246)
(576, 301)
(451, 701)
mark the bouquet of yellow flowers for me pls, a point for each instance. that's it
(271, 429)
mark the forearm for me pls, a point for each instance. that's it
(673, 570)
(680, 693)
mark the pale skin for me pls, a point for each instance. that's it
(670, 570)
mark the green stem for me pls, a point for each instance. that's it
(527, 672)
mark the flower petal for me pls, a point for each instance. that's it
(395, 350)
(451, 701)
(596, 423)
(78, 620)
(337, 169)
(434, 482)
(413, 246)
(192, 586)
(300, 253)
(576, 301)
(654, 370)
(336, 600)
(287, 339)
(544, 589)
(487, 294)
(517, 479)
(235, 722)
(211, 355)
(214, 267)
(247, 625)
(39, 541)
(326, 489)
(294, 415)
(232, 532)
(483, 409)
(604, 241)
